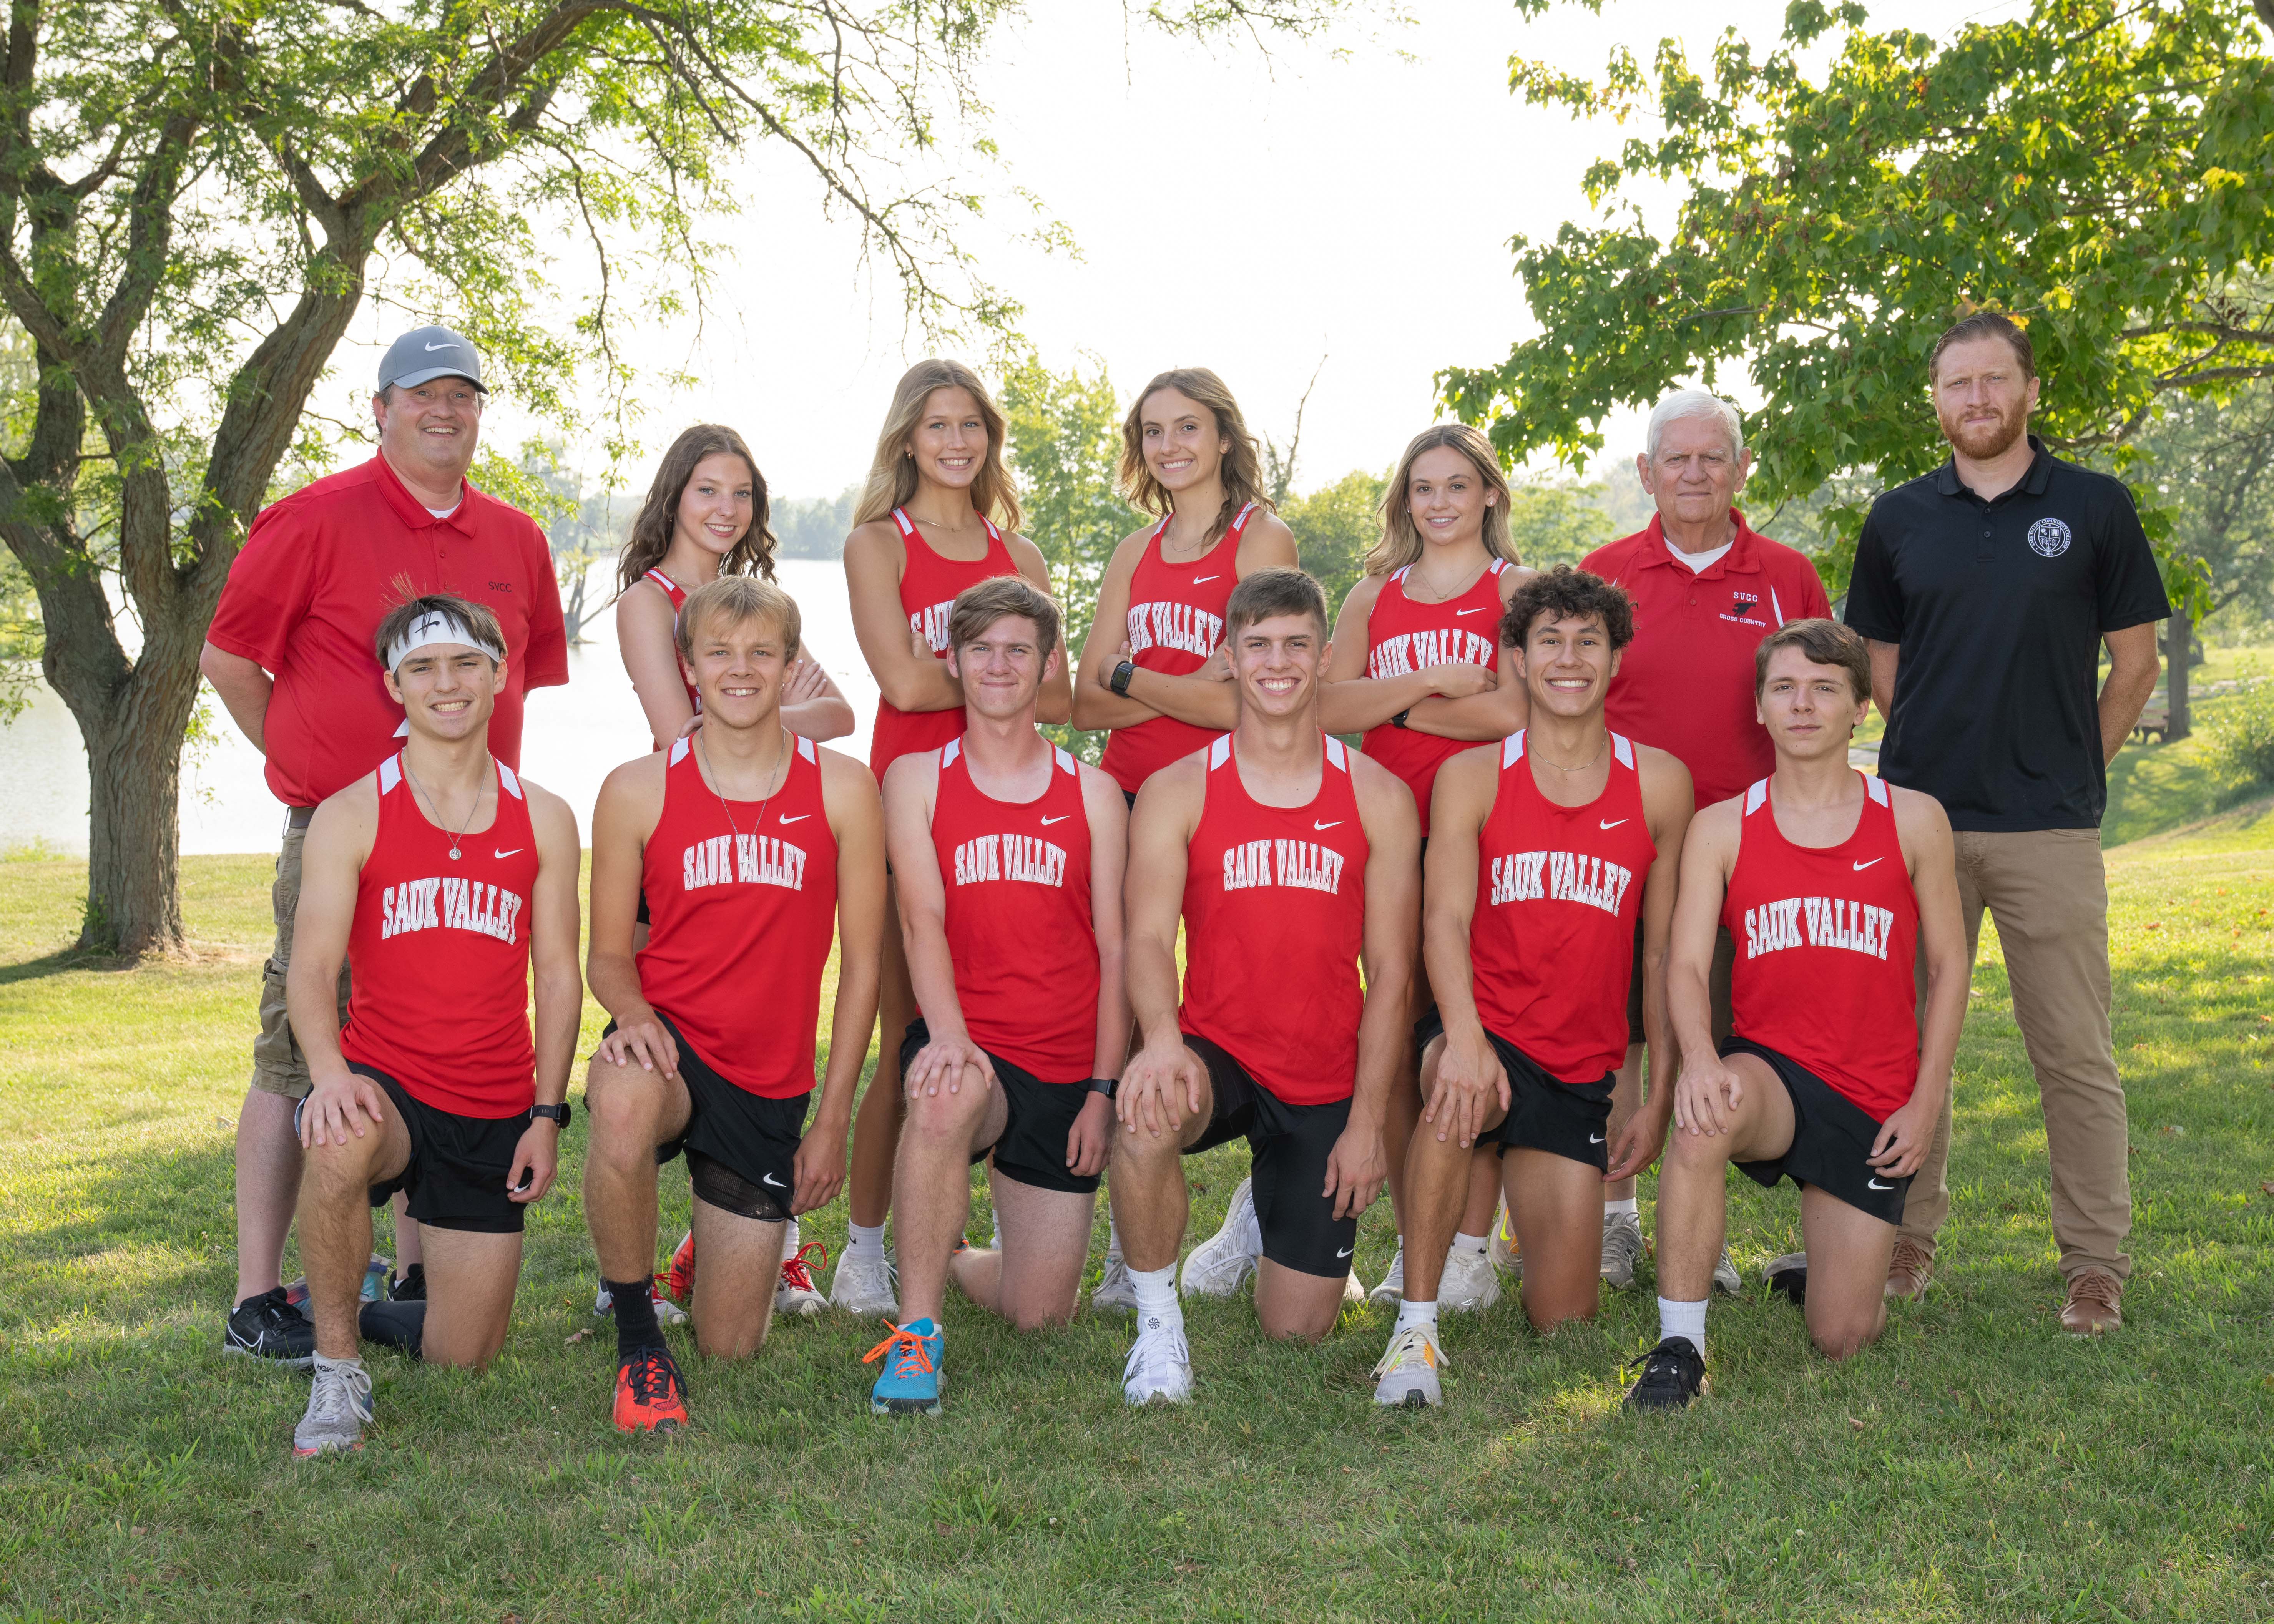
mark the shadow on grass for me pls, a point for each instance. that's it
(62, 960)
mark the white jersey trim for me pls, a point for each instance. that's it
(1512, 751)
(1876, 788)
(948, 752)
(1623, 747)
(805, 747)
(1776, 608)
(1220, 752)
(390, 774)
(679, 748)
(512, 784)
(900, 518)
(1066, 762)
(1756, 796)
(1337, 754)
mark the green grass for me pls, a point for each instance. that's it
(1975, 1465)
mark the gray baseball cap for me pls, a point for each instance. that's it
(426, 353)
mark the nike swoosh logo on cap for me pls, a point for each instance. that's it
(431, 348)
(513, 853)
(1861, 866)
(1614, 822)
(799, 818)
(1315, 825)
(1060, 818)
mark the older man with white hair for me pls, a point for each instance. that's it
(1706, 589)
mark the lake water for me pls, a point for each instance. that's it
(572, 737)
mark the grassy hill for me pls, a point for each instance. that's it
(1977, 1465)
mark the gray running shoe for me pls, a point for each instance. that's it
(1470, 1283)
(1506, 1255)
(339, 1408)
(1220, 1265)
(1115, 1289)
(1622, 1249)
(863, 1284)
(1391, 1291)
(1406, 1378)
(1726, 1278)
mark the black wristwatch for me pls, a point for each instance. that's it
(1104, 1085)
(1399, 719)
(557, 1113)
(1120, 680)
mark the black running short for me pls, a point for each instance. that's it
(459, 1166)
(1032, 1147)
(1130, 795)
(753, 1138)
(1288, 1149)
(1832, 1139)
(1572, 1120)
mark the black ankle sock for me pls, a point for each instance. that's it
(636, 1326)
(394, 1325)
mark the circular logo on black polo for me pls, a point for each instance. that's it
(2048, 538)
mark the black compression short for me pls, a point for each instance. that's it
(753, 1138)
(1288, 1149)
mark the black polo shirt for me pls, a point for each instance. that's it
(1999, 608)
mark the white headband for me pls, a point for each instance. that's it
(436, 626)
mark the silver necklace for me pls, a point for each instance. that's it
(757, 823)
(1446, 598)
(434, 807)
(1582, 766)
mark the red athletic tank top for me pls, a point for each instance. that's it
(678, 595)
(1175, 620)
(1018, 925)
(928, 585)
(741, 905)
(440, 951)
(1826, 938)
(1551, 943)
(1402, 636)
(1274, 917)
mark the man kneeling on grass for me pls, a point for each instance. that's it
(443, 880)
(752, 847)
(1829, 882)
(1008, 853)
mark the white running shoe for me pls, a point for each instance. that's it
(863, 1285)
(1622, 1249)
(796, 1294)
(667, 1312)
(339, 1408)
(1115, 1289)
(1470, 1285)
(1221, 1264)
(1391, 1291)
(1725, 1277)
(1507, 1258)
(1160, 1367)
(1353, 1291)
(1406, 1378)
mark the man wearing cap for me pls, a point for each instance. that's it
(288, 652)
(1705, 589)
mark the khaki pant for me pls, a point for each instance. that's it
(278, 1065)
(2048, 893)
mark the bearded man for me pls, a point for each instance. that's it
(1985, 588)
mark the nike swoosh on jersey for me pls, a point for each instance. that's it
(1861, 866)
(1060, 818)
(1614, 822)
(1198, 579)
(796, 818)
(516, 850)
(1315, 825)
(1458, 613)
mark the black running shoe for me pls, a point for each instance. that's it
(409, 1286)
(1673, 1373)
(269, 1327)
(1789, 1276)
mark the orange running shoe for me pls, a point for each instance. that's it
(679, 1280)
(650, 1394)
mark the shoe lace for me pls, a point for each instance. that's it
(2094, 1286)
(796, 1273)
(1658, 1361)
(1412, 1339)
(904, 1349)
(337, 1392)
(1155, 1349)
(1909, 1257)
(652, 1373)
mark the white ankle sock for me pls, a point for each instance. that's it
(1682, 1320)
(790, 1240)
(351, 1364)
(1410, 1313)
(1476, 1243)
(862, 1239)
(1156, 1298)
(1626, 1209)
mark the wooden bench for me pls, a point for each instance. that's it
(2155, 721)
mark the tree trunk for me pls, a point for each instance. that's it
(133, 720)
(2178, 639)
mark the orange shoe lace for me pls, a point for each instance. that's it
(906, 1350)
(796, 1273)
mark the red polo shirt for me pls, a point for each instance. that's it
(1685, 683)
(322, 567)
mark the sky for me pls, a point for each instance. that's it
(1340, 207)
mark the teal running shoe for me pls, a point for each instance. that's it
(909, 1383)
